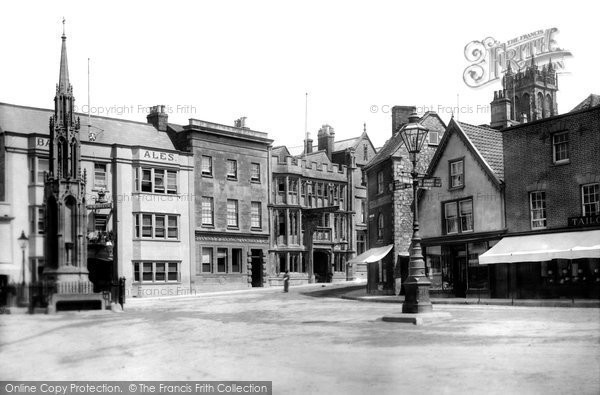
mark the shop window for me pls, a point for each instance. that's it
(207, 258)
(236, 260)
(221, 260)
(155, 272)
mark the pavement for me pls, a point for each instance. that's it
(359, 293)
(310, 340)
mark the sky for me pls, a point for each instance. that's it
(220, 60)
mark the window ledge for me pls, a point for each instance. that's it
(457, 188)
(205, 175)
(562, 162)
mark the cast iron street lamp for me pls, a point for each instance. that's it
(416, 299)
(23, 244)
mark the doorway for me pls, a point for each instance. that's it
(257, 268)
(321, 267)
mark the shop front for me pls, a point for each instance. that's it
(552, 265)
(454, 269)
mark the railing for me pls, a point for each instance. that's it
(37, 294)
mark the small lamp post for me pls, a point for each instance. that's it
(417, 284)
(23, 244)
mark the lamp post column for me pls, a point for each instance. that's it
(417, 284)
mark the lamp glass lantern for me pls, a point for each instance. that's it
(23, 240)
(414, 135)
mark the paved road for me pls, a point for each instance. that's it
(310, 344)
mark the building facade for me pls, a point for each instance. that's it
(328, 176)
(230, 203)
(390, 217)
(136, 206)
(465, 216)
(551, 169)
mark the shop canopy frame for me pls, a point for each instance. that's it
(544, 247)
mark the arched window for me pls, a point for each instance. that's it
(526, 106)
(539, 104)
(548, 105)
(70, 231)
(74, 158)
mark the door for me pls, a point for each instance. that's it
(321, 265)
(257, 269)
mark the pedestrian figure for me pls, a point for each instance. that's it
(286, 281)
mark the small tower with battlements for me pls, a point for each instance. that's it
(526, 95)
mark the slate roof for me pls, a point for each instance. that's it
(343, 144)
(488, 143)
(589, 102)
(392, 145)
(30, 120)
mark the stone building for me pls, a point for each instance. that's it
(552, 176)
(389, 204)
(331, 175)
(136, 200)
(230, 202)
(527, 95)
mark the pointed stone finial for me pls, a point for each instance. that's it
(64, 35)
(365, 127)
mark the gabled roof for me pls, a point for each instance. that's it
(30, 120)
(591, 101)
(388, 149)
(280, 150)
(484, 143)
(393, 144)
(344, 144)
(317, 156)
(488, 143)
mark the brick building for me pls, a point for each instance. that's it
(389, 205)
(231, 195)
(552, 175)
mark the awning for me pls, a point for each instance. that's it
(536, 248)
(372, 255)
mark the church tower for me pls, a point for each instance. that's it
(64, 197)
(526, 96)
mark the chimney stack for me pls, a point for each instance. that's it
(400, 116)
(240, 123)
(308, 144)
(325, 140)
(158, 118)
